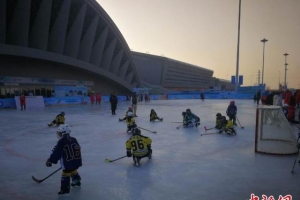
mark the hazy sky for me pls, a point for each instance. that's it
(204, 33)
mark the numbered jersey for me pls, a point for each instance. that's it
(138, 144)
(68, 152)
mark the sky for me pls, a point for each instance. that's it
(205, 33)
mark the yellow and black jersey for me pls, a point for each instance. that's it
(60, 119)
(153, 116)
(228, 125)
(130, 121)
(218, 121)
(138, 144)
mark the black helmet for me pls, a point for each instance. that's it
(183, 113)
(188, 110)
(218, 115)
(136, 131)
(62, 113)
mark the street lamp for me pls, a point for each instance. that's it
(238, 51)
(285, 69)
(262, 73)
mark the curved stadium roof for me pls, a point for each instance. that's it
(73, 32)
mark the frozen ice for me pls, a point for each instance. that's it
(184, 166)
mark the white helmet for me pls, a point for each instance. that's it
(129, 114)
(62, 130)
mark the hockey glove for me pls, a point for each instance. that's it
(128, 153)
(48, 163)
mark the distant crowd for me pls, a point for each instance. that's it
(288, 100)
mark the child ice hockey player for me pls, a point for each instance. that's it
(126, 114)
(153, 116)
(231, 111)
(138, 146)
(59, 119)
(227, 126)
(190, 119)
(130, 122)
(218, 121)
(67, 151)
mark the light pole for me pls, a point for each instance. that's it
(263, 66)
(238, 51)
(285, 69)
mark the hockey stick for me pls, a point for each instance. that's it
(239, 123)
(147, 130)
(209, 133)
(109, 161)
(39, 181)
(206, 129)
(297, 155)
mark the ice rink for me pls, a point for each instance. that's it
(184, 166)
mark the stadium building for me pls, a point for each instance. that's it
(46, 45)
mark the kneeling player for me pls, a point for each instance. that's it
(190, 119)
(138, 146)
(153, 116)
(130, 122)
(227, 126)
(218, 121)
(126, 114)
(59, 119)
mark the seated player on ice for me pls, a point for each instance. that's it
(67, 151)
(153, 116)
(130, 122)
(59, 119)
(227, 126)
(190, 119)
(126, 114)
(218, 121)
(138, 146)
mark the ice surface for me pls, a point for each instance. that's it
(185, 165)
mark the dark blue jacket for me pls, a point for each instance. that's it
(67, 150)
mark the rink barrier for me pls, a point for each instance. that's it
(56, 101)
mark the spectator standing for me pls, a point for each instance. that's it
(113, 103)
(92, 97)
(258, 96)
(98, 98)
(134, 104)
(23, 101)
(202, 96)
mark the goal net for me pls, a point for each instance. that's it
(273, 133)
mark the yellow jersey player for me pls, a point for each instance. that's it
(227, 126)
(130, 122)
(218, 121)
(153, 116)
(126, 114)
(138, 146)
(59, 119)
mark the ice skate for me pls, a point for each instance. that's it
(76, 183)
(64, 192)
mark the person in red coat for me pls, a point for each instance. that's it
(98, 98)
(92, 97)
(23, 101)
